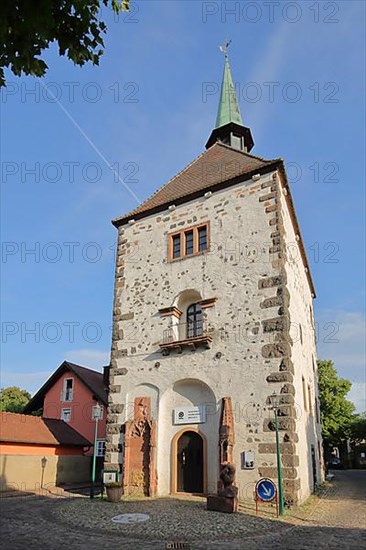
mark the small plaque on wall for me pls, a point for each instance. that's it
(110, 477)
(190, 415)
(247, 460)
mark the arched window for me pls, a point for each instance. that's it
(194, 321)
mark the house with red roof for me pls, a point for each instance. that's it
(70, 394)
(39, 452)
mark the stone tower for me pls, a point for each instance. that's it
(212, 315)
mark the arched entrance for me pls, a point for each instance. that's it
(189, 462)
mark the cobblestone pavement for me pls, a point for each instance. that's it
(337, 520)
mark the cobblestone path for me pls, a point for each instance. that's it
(335, 521)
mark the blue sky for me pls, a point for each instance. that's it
(147, 111)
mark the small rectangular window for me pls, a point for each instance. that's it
(236, 141)
(66, 415)
(202, 238)
(310, 401)
(176, 252)
(100, 450)
(189, 242)
(68, 389)
(304, 393)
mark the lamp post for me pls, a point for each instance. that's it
(96, 415)
(275, 401)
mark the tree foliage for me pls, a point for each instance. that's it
(28, 27)
(13, 399)
(337, 412)
(358, 428)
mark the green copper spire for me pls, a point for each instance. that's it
(229, 129)
(228, 110)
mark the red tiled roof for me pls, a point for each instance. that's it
(91, 378)
(21, 428)
(219, 164)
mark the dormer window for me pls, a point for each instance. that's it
(236, 142)
(188, 242)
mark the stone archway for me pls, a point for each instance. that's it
(189, 462)
(188, 393)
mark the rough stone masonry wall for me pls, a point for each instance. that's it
(278, 325)
(116, 409)
(251, 295)
(304, 355)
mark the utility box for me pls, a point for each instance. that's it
(247, 460)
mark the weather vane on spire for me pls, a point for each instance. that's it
(225, 47)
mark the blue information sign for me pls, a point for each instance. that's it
(265, 489)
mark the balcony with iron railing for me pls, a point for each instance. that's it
(189, 335)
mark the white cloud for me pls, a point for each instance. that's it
(90, 358)
(268, 69)
(342, 339)
(30, 381)
(358, 395)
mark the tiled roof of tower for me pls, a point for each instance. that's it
(219, 164)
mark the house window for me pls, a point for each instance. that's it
(194, 321)
(188, 242)
(66, 415)
(304, 393)
(100, 450)
(202, 238)
(319, 452)
(176, 246)
(188, 238)
(68, 390)
(317, 410)
(311, 316)
(310, 401)
(236, 141)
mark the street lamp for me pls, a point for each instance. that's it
(275, 402)
(97, 412)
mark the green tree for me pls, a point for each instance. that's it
(28, 27)
(13, 399)
(358, 428)
(336, 412)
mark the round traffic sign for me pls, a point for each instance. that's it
(265, 489)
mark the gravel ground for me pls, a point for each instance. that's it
(169, 519)
(337, 520)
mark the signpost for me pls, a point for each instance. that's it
(265, 491)
(97, 413)
(276, 402)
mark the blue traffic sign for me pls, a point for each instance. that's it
(265, 489)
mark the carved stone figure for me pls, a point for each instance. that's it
(227, 477)
(227, 498)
